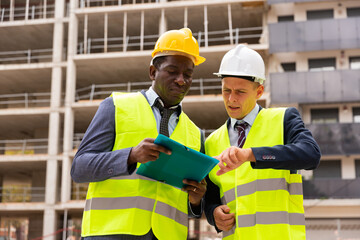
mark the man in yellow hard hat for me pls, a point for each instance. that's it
(256, 192)
(121, 204)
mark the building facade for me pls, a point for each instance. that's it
(314, 66)
(60, 58)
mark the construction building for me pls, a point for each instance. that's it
(60, 58)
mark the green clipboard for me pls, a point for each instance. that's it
(183, 163)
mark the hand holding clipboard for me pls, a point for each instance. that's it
(183, 163)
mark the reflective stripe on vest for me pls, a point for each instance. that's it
(267, 218)
(133, 176)
(263, 185)
(119, 203)
(172, 213)
(134, 204)
(271, 218)
(268, 203)
(229, 233)
(137, 202)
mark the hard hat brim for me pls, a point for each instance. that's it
(231, 74)
(197, 60)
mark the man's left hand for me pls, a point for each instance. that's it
(232, 158)
(196, 190)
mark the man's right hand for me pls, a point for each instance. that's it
(146, 151)
(224, 220)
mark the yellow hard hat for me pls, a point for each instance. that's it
(178, 42)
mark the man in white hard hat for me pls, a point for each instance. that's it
(120, 204)
(255, 191)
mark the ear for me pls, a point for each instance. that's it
(259, 91)
(152, 72)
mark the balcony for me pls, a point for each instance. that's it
(250, 35)
(270, 2)
(22, 194)
(314, 35)
(27, 13)
(103, 3)
(331, 188)
(337, 138)
(315, 87)
(102, 91)
(24, 146)
(25, 100)
(29, 10)
(26, 56)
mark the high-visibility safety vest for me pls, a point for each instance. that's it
(268, 203)
(135, 204)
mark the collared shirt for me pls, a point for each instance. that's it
(95, 161)
(250, 118)
(151, 96)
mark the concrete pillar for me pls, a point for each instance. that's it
(86, 20)
(106, 20)
(342, 60)
(185, 17)
(49, 227)
(345, 115)
(299, 13)
(348, 168)
(51, 190)
(69, 99)
(125, 32)
(277, 10)
(162, 23)
(1, 185)
(67, 159)
(44, 9)
(307, 174)
(306, 114)
(340, 11)
(230, 24)
(12, 6)
(206, 23)
(264, 39)
(142, 31)
(27, 10)
(302, 63)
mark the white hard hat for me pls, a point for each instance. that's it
(242, 61)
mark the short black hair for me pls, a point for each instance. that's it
(158, 61)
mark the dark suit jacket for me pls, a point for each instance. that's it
(300, 151)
